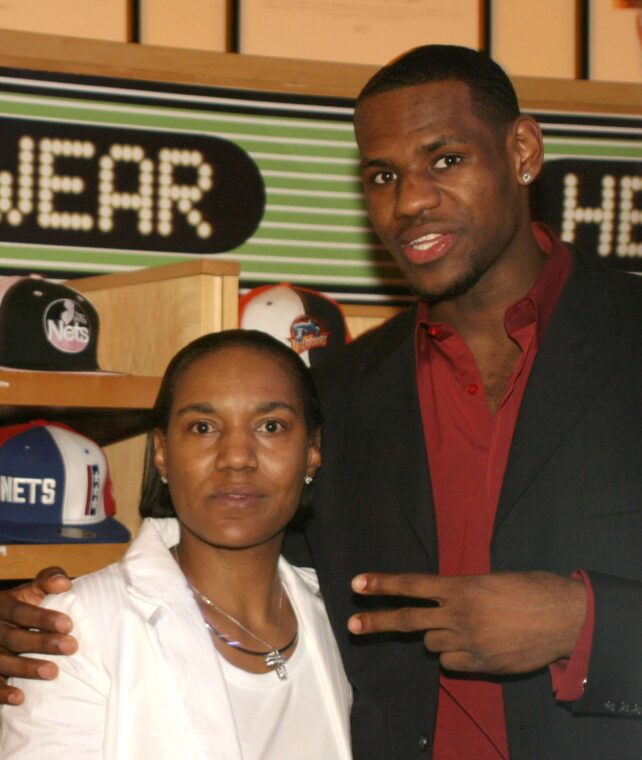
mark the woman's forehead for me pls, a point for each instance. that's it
(238, 370)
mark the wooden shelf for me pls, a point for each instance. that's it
(105, 407)
(78, 389)
(22, 561)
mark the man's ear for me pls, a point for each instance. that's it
(528, 149)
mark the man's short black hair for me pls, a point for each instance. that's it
(492, 93)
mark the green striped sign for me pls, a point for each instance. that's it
(313, 230)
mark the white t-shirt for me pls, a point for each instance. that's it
(282, 720)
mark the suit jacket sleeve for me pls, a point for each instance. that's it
(614, 682)
(572, 494)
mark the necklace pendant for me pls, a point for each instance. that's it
(274, 659)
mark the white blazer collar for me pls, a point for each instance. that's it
(303, 589)
(159, 591)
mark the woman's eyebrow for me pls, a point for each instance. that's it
(207, 408)
(202, 407)
(271, 406)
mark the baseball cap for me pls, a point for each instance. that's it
(307, 321)
(55, 487)
(46, 325)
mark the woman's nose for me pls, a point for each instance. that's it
(236, 451)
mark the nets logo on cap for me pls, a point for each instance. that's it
(55, 487)
(307, 321)
(46, 326)
(67, 326)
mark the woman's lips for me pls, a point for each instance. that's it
(428, 248)
(237, 494)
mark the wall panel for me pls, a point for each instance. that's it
(193, 24)
(91, 19)
(535, 39)
(355, 31)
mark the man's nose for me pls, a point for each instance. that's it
(416, 192)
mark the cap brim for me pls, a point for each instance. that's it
(108, 531)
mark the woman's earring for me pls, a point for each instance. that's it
(308, 479)
(527, 178)
(163, 479)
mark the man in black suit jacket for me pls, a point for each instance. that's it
(570, 500)
(447, 160)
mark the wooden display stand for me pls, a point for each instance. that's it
(360, 318)
(148, 314)
(145, 317)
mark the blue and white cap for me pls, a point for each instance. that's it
(55, 487)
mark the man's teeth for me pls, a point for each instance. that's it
(425, 242)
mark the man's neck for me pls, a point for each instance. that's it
(478, 317)
(479, 313)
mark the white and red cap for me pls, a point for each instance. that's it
(55, 487)
(307, 321)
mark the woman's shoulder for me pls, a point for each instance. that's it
(98, 590)
(105, 588)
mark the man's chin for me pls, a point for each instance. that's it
(449, 292)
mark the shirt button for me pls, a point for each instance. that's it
(472, 389)
(423, 743)
(433, 331)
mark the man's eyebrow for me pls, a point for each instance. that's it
(443, 142)
(431, 147)
(374, 162)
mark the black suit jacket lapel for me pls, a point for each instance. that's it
(570, 367)
(394, 416)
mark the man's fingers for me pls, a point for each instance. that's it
(19, 606)
(442, 640)
(25, 627)
(26, 615)
(460, 662)
(27, 667)
(414, 585)
(9, 695)
(53, 580)
(20, 640)
(404, 620)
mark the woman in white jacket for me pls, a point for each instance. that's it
(203, 642)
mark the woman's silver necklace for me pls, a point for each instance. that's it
(273, 657)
